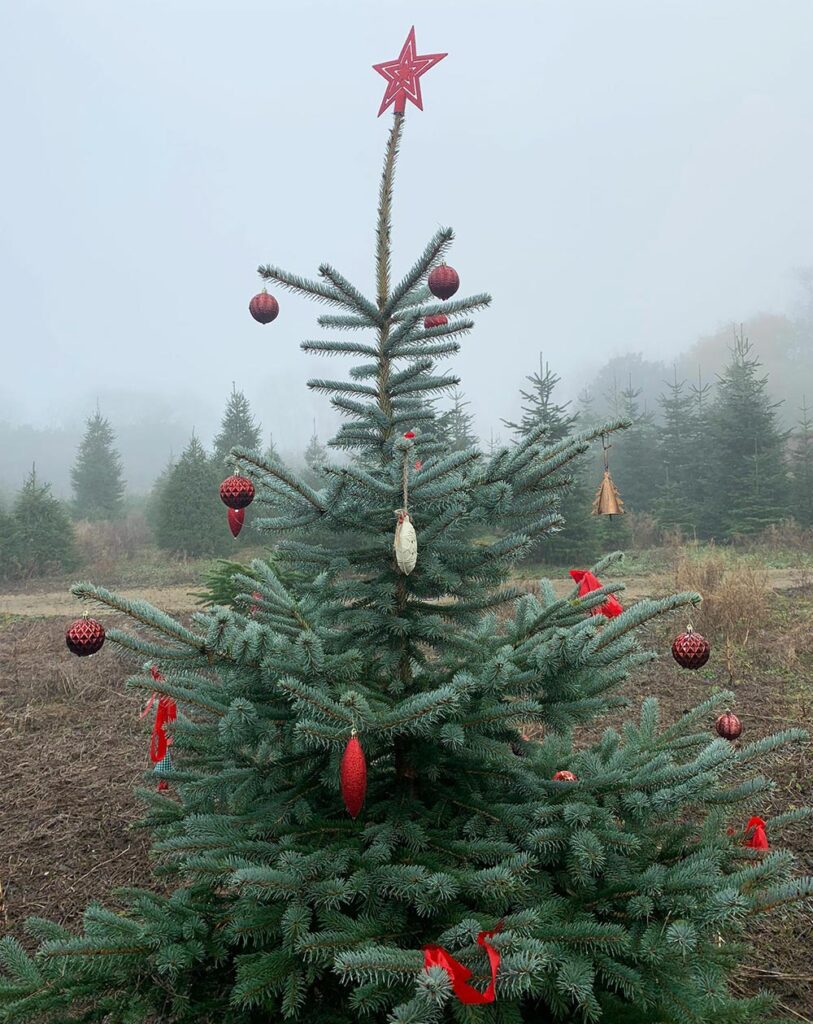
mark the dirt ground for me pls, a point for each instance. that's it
(72, 750)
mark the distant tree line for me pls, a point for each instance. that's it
(709, 461)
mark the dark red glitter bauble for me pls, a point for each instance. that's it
(264, 308)
(435, 320)
(443, 281)
(728, 726)
(84, 637)
(237, 491)
(691, 650)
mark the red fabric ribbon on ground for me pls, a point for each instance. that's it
(167, 711)
(588, 583)
(436, 956)
(759, 840)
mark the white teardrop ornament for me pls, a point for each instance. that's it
(406, 543)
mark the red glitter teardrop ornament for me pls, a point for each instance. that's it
(237, 491)
(84, 637)
(264, 308)
(690, 649)
(236, 517)
(443, 281)
(435, 320)
(353, 777)
(728, 726)
(564, 776)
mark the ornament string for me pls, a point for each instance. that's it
(437, 956)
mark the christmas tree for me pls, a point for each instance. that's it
(578, 538)
(801, 465)
(187, 519)
(38, 532)
(676, 500)
(98, 486)
(470, 885)
(747, 449)
(237, 428)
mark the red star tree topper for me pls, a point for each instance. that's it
(403, 75)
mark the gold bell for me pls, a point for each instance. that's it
(607, 501)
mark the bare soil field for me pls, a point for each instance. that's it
(73, 750)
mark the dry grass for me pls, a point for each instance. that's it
(734, 598)
(104, 546)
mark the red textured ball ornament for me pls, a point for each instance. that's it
(690, 649)
(84, 637)
(237, 491)
(353, 777)
(435, 320)
(264, 308)
(443, 281)
(236, 517)
(728, 726)
(565, 776)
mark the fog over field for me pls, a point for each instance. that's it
(623, 177)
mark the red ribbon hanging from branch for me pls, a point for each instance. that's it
(436, 956)
(759, 840)
(167, 711)
(588, 583)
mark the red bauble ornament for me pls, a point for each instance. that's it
(418, 465)
(728, 726)
(435, 320)
(444, 281)
(409, 435)
(353, 777)
(84, 637)
(264, 308)
(690, 649)
(237, 491)
(236, 517)
(565, 776)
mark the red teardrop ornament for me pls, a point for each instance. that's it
(353, 777)
(236, 517)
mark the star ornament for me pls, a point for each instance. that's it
(403, 75)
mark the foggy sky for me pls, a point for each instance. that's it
(621, 176)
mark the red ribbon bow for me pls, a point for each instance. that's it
(759, 840)
(167, 711)
(436, 956)
(587, 583)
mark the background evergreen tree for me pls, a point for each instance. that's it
(6, 547)
(675, 505)
(455, 426)
(96, 475)
(540, 408)
(620, 895)
(801, 466)
(636, 466)
(578, 539)
(190, 517)
(238, 428)
(41, 533)
(316, 458)
(746, 449)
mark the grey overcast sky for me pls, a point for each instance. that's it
(622, 175)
